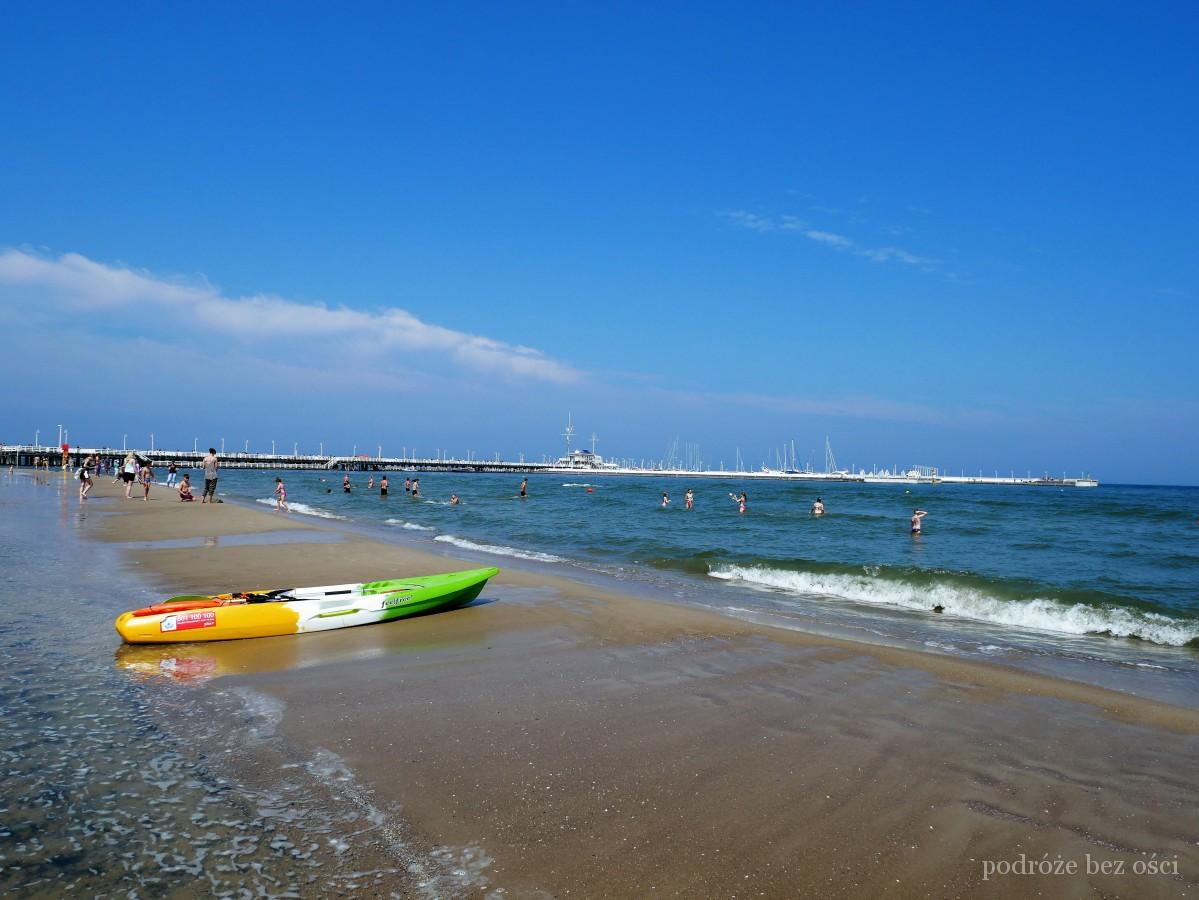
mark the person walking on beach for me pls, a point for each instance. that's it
(383, 485)
(172, 470)
(129, 473)
(281, 496)
(211, 467)
(524, 488)
(689, 499)
(917, 515)
(146, 476)
(818, 507)
(85, 477)
(345, 483)
(185, 489)
(665, 499)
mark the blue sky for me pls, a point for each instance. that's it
(960, 236)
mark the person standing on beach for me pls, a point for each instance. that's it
(281, 496)
(383, 485)
(917, 515)
(146, 476)
(129, 473)
(211, 466)
(172, 469)
(524, 488)
(689, 499)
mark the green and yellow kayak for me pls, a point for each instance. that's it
(249, 614)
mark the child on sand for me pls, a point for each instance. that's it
(146, 476)
(281, 496)
(185, 489)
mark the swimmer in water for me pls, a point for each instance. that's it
(370, 483)
(665, 499)
(917, 515)
(818, 507)
(415, 487)
(453, 499)
(407, 485)
(741, 500)
(383, 486)
(689, 499)
(524, 488)
(345, 483)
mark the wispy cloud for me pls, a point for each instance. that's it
(73, 282)
(755, 222)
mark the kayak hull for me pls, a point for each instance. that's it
(224, 617)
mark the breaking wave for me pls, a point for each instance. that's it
(970, 598)
(497, 549)
(304, 509)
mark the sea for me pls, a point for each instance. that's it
(1096, 584)
(120, 782)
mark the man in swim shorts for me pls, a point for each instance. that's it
(917, 515)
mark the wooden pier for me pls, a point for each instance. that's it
(23, 455)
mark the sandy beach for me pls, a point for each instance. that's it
(562, 739)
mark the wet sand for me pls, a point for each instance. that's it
(573, 741)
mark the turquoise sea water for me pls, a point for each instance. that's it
(1044, 575)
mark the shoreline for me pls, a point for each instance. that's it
(681, 719)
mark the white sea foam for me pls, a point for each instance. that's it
(573, 484)
(1041, 613)
(497, 549)
(304, 509)
(411, 526)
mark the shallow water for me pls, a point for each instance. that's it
(121, 783)
(1101, 584)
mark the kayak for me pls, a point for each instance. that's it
(269, 613)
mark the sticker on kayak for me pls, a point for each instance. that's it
(187, 621)
(395, 600)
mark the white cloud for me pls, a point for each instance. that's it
(78, 284)
(754, 222)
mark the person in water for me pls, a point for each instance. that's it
(453, 499)
(689, 499)
(407, 485)
(345, 483)
(665, 499)
(370, 483)
(742, 501)
(524, 488)
(917, 515)
(383, 485)
(415, 487)
(185, 489)
(281, 496)
(818, 507)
